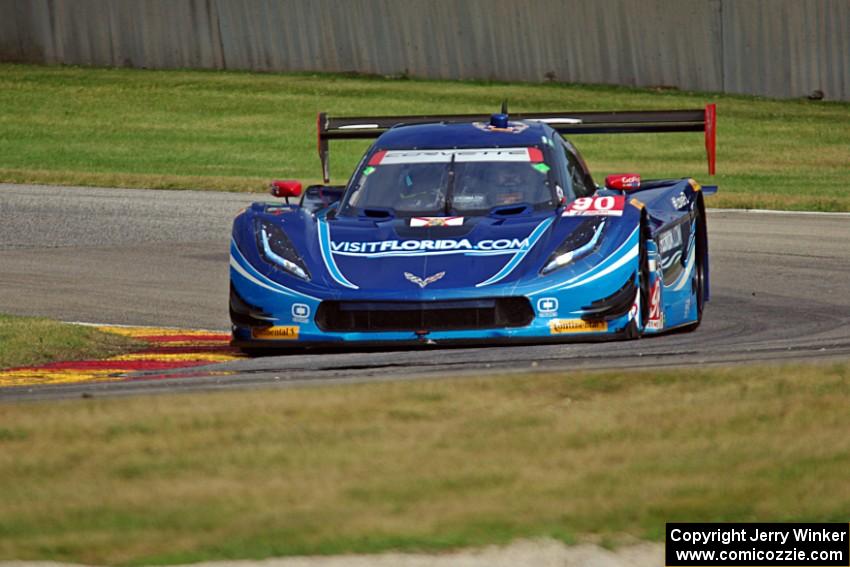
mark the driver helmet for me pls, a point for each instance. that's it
(509, 185)
(421, 187)
(508, 178)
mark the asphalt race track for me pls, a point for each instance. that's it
(780, 291)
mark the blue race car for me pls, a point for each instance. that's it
(474, 229)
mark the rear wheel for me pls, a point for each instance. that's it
(643, 257)
(699, 282)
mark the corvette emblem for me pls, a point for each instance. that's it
(423, 282)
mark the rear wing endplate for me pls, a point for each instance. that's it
(618, 122)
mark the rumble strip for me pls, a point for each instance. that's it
(167, 349)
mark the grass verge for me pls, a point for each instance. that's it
(423, 465)
(27, 341)
(236, 131)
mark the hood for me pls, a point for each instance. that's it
(476, 252)
(391, 259)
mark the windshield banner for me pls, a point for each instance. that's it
(395, 157)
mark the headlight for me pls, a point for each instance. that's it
(581, 242)
(277, 249)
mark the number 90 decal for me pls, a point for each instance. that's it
(607, 206)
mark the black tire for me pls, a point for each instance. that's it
(632, 330)
(698, 282)
(255, 352)
(643, 274)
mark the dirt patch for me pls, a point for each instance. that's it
(525, 553)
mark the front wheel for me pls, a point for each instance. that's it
(257, 352)
(633, 331)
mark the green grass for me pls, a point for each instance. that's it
(236, 131)
(421, 465)
(26, 341)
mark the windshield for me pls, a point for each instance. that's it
(451, 181)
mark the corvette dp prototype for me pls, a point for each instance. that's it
(458, 229)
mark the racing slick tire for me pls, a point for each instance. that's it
(701, 240)
(632, 330)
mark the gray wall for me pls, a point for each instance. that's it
(780, 48)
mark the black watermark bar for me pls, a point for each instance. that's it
(757, 545)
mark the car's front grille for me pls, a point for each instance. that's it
(348, 316)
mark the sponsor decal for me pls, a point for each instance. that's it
(656, 316)
(631, 181)
(566, 326)
(633, 312)
(547, 307)
(623, 182)
(679, 201)
(417, 222)
(285, 333)
(423, 282)
(522, 155)
(607, 206)
(300, 312)
(669, 240)
(378, 248)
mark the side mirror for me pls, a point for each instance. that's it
(285, 189)
(623, 182)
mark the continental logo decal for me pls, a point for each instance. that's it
(567, 326)
(284, 333)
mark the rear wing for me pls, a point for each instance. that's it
(619, 122)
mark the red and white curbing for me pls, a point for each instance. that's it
(167, 349)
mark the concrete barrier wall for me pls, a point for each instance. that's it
(786, 48)
(780, 48)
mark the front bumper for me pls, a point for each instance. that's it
(455, 322)
(602, 303)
